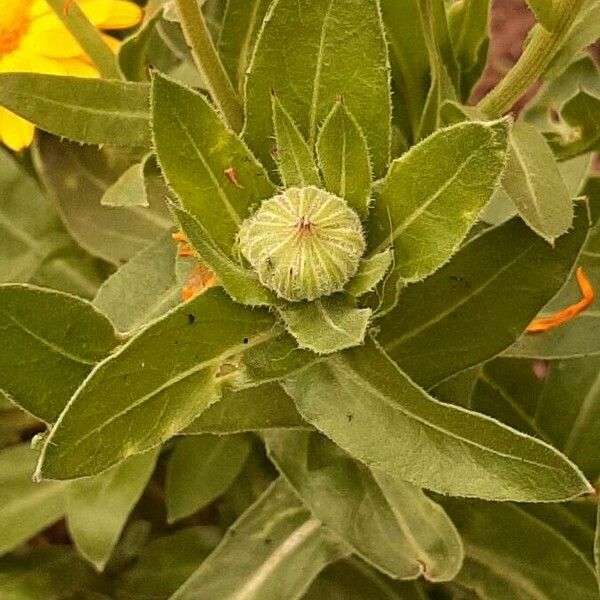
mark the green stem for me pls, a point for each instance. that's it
(208, 62)
(88, 37)
(533, 62)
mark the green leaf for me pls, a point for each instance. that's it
(507, 555)
(253, 409)
(563, 409)
(201, 468)
(241, 25)
(273, 551)
(468, 24)
(154, 385)
(143, 289)
(295, 161)
(128, 190)
(584, 32)
(351, 579)
(307, 54)
(370, 272)
(435, 212)
(78, 178)
(51, 573)
(597, 546)
(25, 507)
(344, 160)
(166, 563)
(390, 524)
(93, 111)
(534, 184)
(432, 445)
(580, 336)
(195, 149)
(326, 325)
(475, 307)
(582, 114)
(546, 12)
(51, 341)
(34, 245)
(410, 63)
(240, 283)
(98, 507)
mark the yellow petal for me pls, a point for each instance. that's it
(15, 132)
(123, 15)
(95, 10)
(13, 12)
(56, 43)
(22, 61)
(78, 67)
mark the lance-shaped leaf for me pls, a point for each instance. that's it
(477, 305)
(212, 172)
(201, 468)
(312, 52)
(344, 159)
(432, 445)
(34, 245)
(534, 184)
(326, 325)
(25, 507)
(241, 24)
(51, 341)
(370, 272)
(143, 289)
(506, 555)
(154, 386)
(294, 157)
(71, 173)
(426, 218)
(94, 111)
(389, 523)
(98, 507)
(252, 409)
(240, 283)
(274, 551)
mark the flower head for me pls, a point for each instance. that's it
(34, 39)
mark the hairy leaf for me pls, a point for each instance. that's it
(154, 386)
(426, 218)
(94, 111)
(477, 305)
(344, 159)
(432, 445)
(312, 52)
(326, 325)
(391, 524)
(51, 341)
(293, 156)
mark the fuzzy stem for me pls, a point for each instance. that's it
(208, 62)
(88, 37)
(533, 62)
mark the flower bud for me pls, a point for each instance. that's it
(303, 243)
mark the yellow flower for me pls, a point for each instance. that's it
(33, 39)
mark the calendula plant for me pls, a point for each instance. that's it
(286, 314)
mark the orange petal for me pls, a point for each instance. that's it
(200, 279)
(566, 314)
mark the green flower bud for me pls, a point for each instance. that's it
(303, 243)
